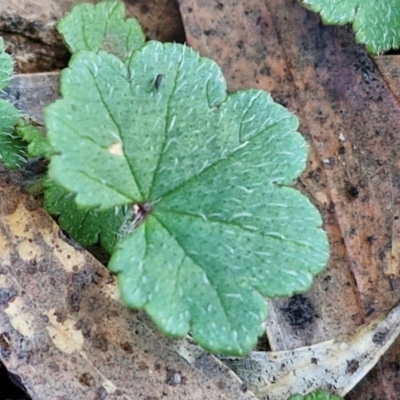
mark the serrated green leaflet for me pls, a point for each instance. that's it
(85, 226)
(375, 22)
(316, 395)
(101, 27)
(11, 147)
(38, 144)
(210, 175)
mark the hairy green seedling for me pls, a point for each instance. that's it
(211, 222)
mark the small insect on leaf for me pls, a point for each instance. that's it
(158, 81)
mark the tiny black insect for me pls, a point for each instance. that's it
(352, 191)
(158, 81)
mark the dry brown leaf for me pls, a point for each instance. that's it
(335, 365)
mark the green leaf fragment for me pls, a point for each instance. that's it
(101, 27)
(12, 149)
(316, 395)
(210, 175)
(6, 66)
(375, 22)
(85, 226)
(38, 143)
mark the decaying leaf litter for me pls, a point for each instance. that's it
(323, 285)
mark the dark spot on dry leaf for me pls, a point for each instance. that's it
(44, 266)
(331, 207)
(142, 366)
(371, 239)
(86, 380)
(157, 367)
(299, 312)
(127, 347)
(74, 300)
(7, 295)
(174, 377)
(25, 349)
(78, 324)
(101, 394)
(82, 326)
(380, 337)
(369, 312)
(45, 348)
(265, 71)
(61, 316)
(100, 342)
(110, 278)
(243, 387)
(221, 385)
(209, 32)
(93, 304)
(314, 360)
(352, 191)
(53, 366)
(352, 366)
(83, 279)
(31, 267)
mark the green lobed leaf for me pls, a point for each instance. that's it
(101, 27)
(375, 22)
(225, 228)
(318, 394)
(38, 144)
(12, 149)
(85, 226)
